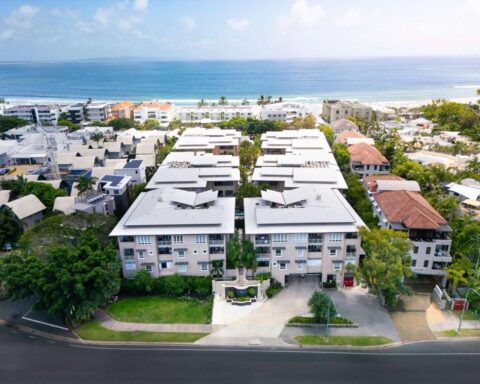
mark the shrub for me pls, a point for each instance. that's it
(262, 276)
(230, 294)
(340, 320)
(274, 288)
(173, 285)
(143, 282)
(329, 284)
(252, 292)
(301, 320)
(202, 287)
(321, 306)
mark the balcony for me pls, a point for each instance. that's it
(216, 242)
(350, 255)
(217, 250)
(164, 251)
(164, 242)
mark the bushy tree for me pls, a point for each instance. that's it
(122, 123)
(143, 282)
(46, 193)
(149, 124)
(9, 122)
(342, 156)
(85, 184)
(328, 132)
(357, 197)
(321, 306)
(10, 227)
(387, 261)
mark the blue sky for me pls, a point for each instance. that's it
(236, 29)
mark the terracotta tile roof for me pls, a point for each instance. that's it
(154, 105)
(366, 154)
(342, 137)
(344, 125)
(409, 209)
(122, 105)
(371, 181)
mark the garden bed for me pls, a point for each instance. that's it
(356, 341)
(309, 322)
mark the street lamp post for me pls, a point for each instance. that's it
(463, 309)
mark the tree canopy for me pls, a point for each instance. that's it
(9, 122)
(10, 227)
(122, 123)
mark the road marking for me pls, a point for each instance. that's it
(167, 349)
(24, 317)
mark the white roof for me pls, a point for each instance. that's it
(148, 160)
(397, 185)
(112, 163)
(4, 196)
(316, 210)
(470, 192)
(112, 146)
(357, 140)
(84, 162)
(26, 206)
(64, 204)
(145, 148)
(98, 172)
(158, 213)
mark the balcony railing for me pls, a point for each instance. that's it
(164, 242)
(262, 241)
(351, 255)
(215, 242)
(441, 253)
(315, 241)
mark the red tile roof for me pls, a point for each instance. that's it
(366, 154)
(155, 105)
(409, 209)
(342, 137)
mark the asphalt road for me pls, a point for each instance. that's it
(24, 359)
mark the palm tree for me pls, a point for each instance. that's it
(261, 100)
(202, 103)
(217, 268)
(249, 258)
(85, 183)
(97, 136)
(472, 245)
(245, 102)
(473, 165)
(268, 100)
(456, 275)
(222, 100)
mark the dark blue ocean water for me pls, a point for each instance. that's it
(188, 81)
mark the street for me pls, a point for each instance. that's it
(28, 359)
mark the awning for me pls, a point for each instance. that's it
(301, 247)
(301, 261)
(283, 261)
(471, 202)
(181, 263)
(202, 262)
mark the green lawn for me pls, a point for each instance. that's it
(464, 333)
(94, 331)
(357, 341)
(155, 309)
(469, 315)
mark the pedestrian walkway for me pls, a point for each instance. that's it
(107, 322)
(439, 320)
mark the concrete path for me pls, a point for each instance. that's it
(107, 322)
(225, 313)
(439, 321)
(264, 325)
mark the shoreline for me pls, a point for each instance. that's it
(378, 105)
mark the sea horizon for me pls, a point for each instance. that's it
(185, 82)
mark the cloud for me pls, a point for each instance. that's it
(140, 5)
(238, 24)
(22, 17)
(356, 18)
(7, 34)
(189, 23)
(303, 14)
(103, 15)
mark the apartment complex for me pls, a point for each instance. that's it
(214, 140)
(175, 231)
(288, 111)
(333, 110)
(76, 113)
(163, 112)
(304, 231)
(98, 112)
(198, 172)
(123, 110)
(399, 206)
(366, 160)
(35, 114)
(298, 141)
(216, 114)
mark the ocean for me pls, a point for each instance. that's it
(185, 82)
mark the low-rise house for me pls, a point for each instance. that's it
(134, 168)
(28, 209)
(344, 125)
(333, 110)
(304, 231)
(468, 195)
(366, 160)
(399, 206)
(175, 231)
(119, 188)
(64, 204)
(344, 135)
(163, 112)
(95, 202)
(123, 110)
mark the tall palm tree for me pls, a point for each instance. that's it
(249, 258)
(222, 100)
(245, 102)
(202, 103)
(261, 100)
(97, 136)
(472, 245)
(85, 183)
(268, 100)
(456, 275)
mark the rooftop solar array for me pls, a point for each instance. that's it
(133, 164)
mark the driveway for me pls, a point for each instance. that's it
(264, 324)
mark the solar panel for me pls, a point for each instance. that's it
(114, 180)
(133, 164)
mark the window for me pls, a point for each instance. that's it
(148, 268)
(263, 263)
(166, 264)
(278, 252)
(200, 239)
(141, 253)
(178, 239)
(300, 252)
(143, 240)
(204, 267)
(299, 266)
(182, 268)
(335, 237)
(282, 265)
(429, 250)
(333, 252)
(279, 238)
(414, 263)
(415, 250)
(425, 264)
(181, 253)
(300, 237)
